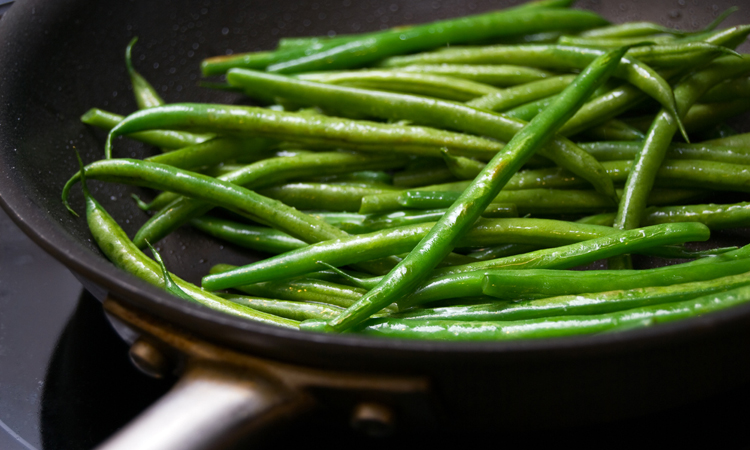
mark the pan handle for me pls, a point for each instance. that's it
(209, 407)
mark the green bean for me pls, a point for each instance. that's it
(728, 90)
(523, 93)
(716, 217)
(463, 168)
(158, 138)
(720, 130)
(529, 110)
(429, 85)
(551, 327)
(252, 237)
(546, 283)
(301, 289)
(468, 277)
(213, 151)
(302, 128)
(701, 117)
(462, 214)
(632, 29)
(317, 196)
(262, 173)
(364, 247)
(218, 192)
(580, 304)
(527, 201)
(554, 57)
(671, 173)
(116, 246)
(628, 30)
(614, 130)
(495, 75)
(615, 42)
(614, 151)
(452, 31)
(440, 113)
(649, 159)
(501, 251)
(169, 284)
(621, 99)
(261, 60)
(145, 94)
(361, 223)
(283, 308)
(740, 140)
(429, 172)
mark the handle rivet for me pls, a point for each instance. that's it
(373, 419)
(148, 359)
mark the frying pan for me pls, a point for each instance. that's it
(61, 58)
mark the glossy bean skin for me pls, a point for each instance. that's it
(649, 159)
(428, 111)
(314, 130)
(547, 283)
(629, 29)
(145, 94)
(467, 280)
(523, 93)
(305, 289)
(118, 248)
(555, 326)
(454, 31)
(463, 213)
(360, 223)
(671, 173)
(527, 201)
(579, 304)
(716, 217)
(615, 151)
(609, 105)
(702, 117)
(614, 130)
(233, 197)
(728, 90)
(213, 151)
(345, 197)
(438, 86)
(254, 176)
(256, 238)
(549, 57)
(158, 138)
(615, 42)
(286, 309)
(540, 232)
(500, 75)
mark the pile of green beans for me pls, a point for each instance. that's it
(410, 183)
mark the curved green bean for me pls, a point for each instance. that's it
(433, 112)
(145, 94)
(549, 327)
(158, 138)
(452, 31)
(439, 86)
(316, 130)
(253, 176)
(116, 246)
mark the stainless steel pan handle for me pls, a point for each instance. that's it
(210, 407)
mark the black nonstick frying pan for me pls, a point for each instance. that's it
(60, 58)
